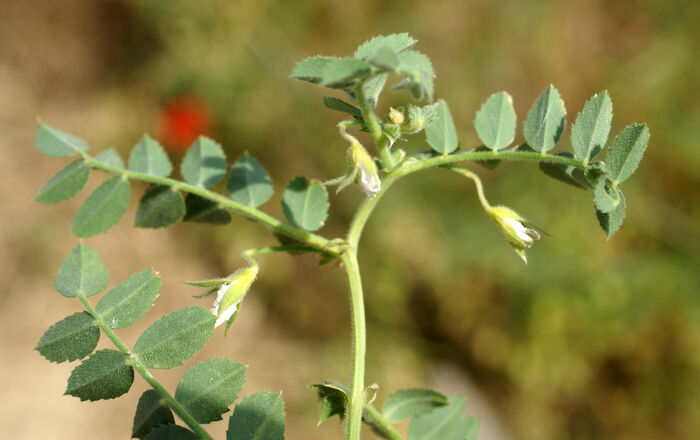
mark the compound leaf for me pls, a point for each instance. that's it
(626, 152)
(546, 121)
(103, 208)
(104, 375)
(444, 423)
(611, 221)
(151, 412)
(175, 337)
(199, 209)
(305, 204)
(65, 184)
(311, 68)
(249, 184)
(110, 157)
(207, 389)
(258, 417)
(339, 71)
(441, 134)
(394, 42)
(160, 206)
(171, 432)
(204, 164)
(148, 157)
(129, 301)
(72, 338)
(53, 142)
(495, 121)
(590, 131)
(408, 403)
(81, 272)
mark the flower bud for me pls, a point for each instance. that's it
(520, 232)
(396, 116)
(368, 177)
(231, 293)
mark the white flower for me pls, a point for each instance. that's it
(231, 294)
(520, 233)
(527, 235)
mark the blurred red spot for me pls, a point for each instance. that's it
(182, 120)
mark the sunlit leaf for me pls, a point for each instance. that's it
(626, 152)
(546, 121)
(204, 164)
(249, 184)
(149, 157)
(110, 157)
(103, 208)
(590, 131)
(81, 272)
(53, 142)
(495, 121)
(305, 204)
(311, 68)
(342, 70)
(72, 338)
(395, 42)
(441, 134)
(130, 300)
(65, 184)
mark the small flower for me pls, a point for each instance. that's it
(520, 232)
(369, 175)
(231, 294)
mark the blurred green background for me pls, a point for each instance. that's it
(594, 339)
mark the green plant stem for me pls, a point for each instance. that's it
(373, 126)
(353, 413)
(143, 371)
(382, 422)
(313, 240)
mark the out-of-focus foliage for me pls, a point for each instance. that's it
(594, 339)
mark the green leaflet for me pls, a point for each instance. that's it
(418, 70)
(611, 221)
(444, 423)
(590, 131)
(606, 197)
(258, 417)
(567, 174)
(384, 57)
(333, 397)
(495, 121)
(394, 42)
(373, 87)
(204, 164)
(338, 72)
(110, 157)
(81, 272)
(249, 184)
(160, 206)
(207, 389)
(129, 301)
(341, 106)
(150, 413)
(626, 152)
(311, 68)
(174, 338)
(65, 184)
(53, 142)
(408, 403)
(104, 375)
(148, 157)
(305, 204)
(441, 134)
(72, 338)
(171, 432)
(546, 121)
(199, 209)
(103, 208)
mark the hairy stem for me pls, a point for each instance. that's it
(313, 240)
(143, 371)
(382, 423)
(373, 126)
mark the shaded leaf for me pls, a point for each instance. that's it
(395, 42)
(160, 206)
(174, 338)
(129, 301)
(305, 204)
(65, 184)
(103, 208)
(333, 398)
(565, 173)
(546, 121)
(104, 375)
(249, 184)
(199, 209)
(204, 164)
(340, 71)
(611, 221)
(408, 403)
(53, 142)
(444, 423)
(171, 432)
(151, 412)
(258, 417)
(341, 106)
(373, 87)
(149, 157)
(110, 157)
(626, 152)
(310, 69)
(441, 134)
(207, 389)
(72, 338)
(81, 272)
(495, 121)
(590, 131)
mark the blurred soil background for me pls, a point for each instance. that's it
(593, 340)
